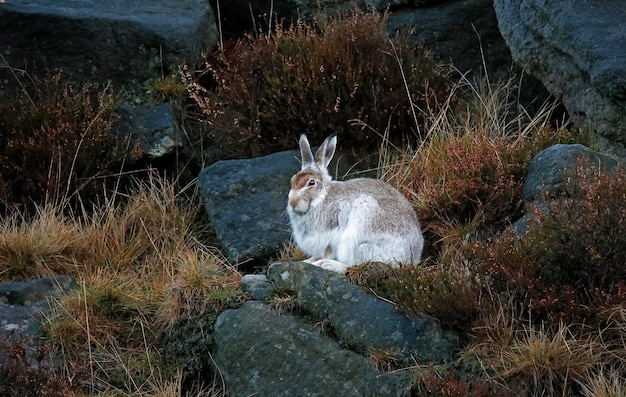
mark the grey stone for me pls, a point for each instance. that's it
(152, 127)
(245, 201)
(578, 50)
(310, 8)
(550, 169)
(126, 41)
(361, 321)
(551, 178)
(261, 353)
(454, 31)
(21, 302)
(257, 285)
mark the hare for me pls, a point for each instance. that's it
(342, 224)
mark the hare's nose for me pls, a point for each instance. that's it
(293, 199)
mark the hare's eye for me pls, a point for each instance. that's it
(311, 182)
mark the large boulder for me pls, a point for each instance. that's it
(126, 41)
(578, 50)
(262, 353)
(457, 32)
(465, 34)
(291, 9)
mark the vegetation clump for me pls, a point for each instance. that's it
(317, 78)
(56, 141)
(569, 264)
(28, 372)
(141, 273)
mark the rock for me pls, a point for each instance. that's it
(126, 41)
(257, 285)
(308, 9)
(454, 31)
(465, 33)
(579, 53)
(550, 169)
(361, 321)
(549, 177)
(22, 301)
(262, 353)
(245, 201)
(152, 128)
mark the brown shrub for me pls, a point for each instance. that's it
(449, 294)
(265, 91)
(570, 263)
(433, 382)
(29, 373)
(54, 142)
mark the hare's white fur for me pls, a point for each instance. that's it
(342, 224)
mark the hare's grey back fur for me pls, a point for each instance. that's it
(350, 222)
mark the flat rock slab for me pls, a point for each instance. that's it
(21, 302)
(126, 41)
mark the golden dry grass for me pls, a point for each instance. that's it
(140, 269)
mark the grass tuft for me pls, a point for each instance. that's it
(141, 272)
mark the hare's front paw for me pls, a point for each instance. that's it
(332, 265)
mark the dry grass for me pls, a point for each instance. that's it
(46, 245)
(609, 383)
(539, 359)
(385, 361)
(291, 253)
(140, 270)
(283, 302)
(360, 274)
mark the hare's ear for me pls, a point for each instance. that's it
(325, 153)
(305, 153)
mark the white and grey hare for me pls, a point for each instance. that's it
(344, 223)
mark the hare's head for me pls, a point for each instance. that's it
(308, 187)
